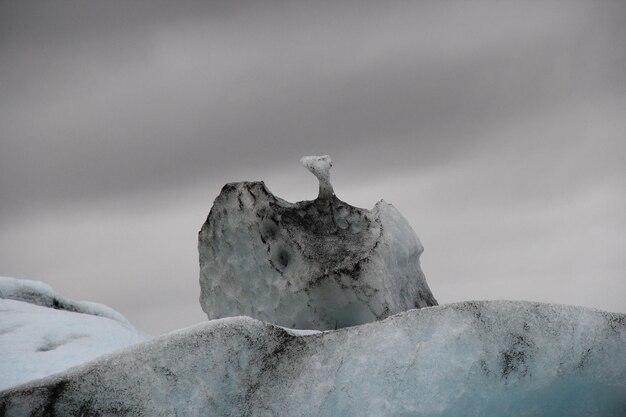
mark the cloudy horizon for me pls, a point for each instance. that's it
(497, 129)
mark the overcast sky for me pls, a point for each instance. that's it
(497, 128)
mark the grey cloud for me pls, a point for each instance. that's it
(153, 99)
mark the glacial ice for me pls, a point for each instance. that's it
(320, 264)
(42, 332)
(320, 167)
(39, 293)
(323, 265)
(501, 358)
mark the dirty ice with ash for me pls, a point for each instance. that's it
(320, 264)
(375, 343)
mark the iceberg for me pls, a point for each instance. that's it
(492, 358)
(42, 332)
(41, 294)
(320, 264)
(341, 323)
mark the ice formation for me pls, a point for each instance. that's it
(39, 293)
(320, 264)
(42, 332)
(475, 358)
(320, 167)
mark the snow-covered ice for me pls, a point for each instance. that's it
(42, 332)
(475, 358)
(320, 264)
(39, 293)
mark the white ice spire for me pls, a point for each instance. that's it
(320, 167)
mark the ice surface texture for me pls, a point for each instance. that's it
(44, 333)
(320, 264)
(475, 358)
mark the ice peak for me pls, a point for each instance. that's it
(320, 167)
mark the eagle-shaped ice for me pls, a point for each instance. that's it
(320, 264)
